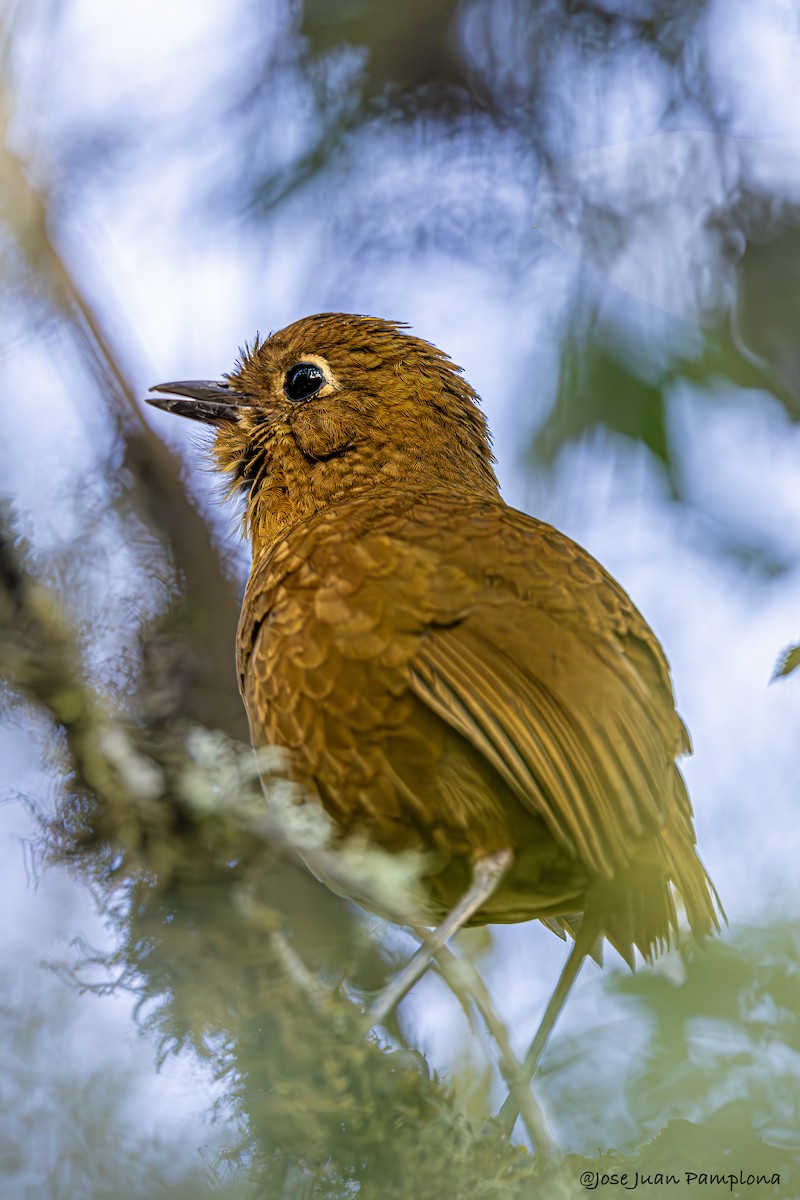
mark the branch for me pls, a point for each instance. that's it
(211, 597)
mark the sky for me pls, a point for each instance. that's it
(184, 287)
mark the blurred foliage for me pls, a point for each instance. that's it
(599, 390)
(456, 57)
(767, 308)
(604, 385)
(716, 1086)
(410, 48)
(81, 1129)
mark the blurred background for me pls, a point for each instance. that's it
(594, 208)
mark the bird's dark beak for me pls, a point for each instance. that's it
(206, 400)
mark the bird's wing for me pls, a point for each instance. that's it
(555, 677)
(585, 761)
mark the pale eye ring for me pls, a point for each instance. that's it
(303, 380)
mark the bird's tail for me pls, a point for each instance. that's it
(700, 898)
(638, 905)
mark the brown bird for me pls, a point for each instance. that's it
(445, 672)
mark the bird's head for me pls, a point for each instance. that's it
(333, 406)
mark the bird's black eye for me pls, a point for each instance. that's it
(302, 380)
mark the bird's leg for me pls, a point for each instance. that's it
(487, 872)
(468, 987)
(584, 942)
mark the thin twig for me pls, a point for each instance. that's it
(317, 995)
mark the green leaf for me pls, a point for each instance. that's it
(786, 663)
